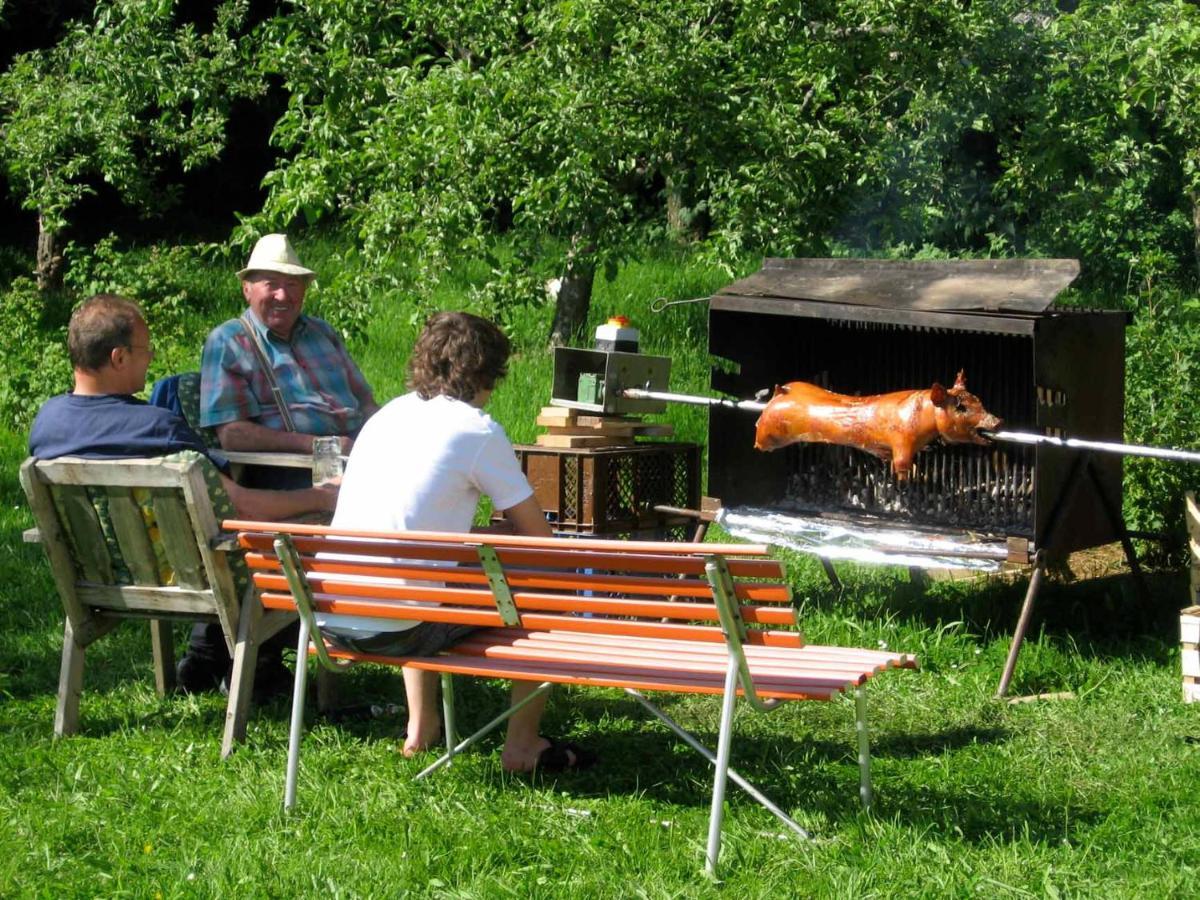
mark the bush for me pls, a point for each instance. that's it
(181, 289)
(1161, 409)
(36, 366)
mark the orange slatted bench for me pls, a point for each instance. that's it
(636, 615)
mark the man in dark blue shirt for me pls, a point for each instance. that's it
(112, 426)
(110, 350)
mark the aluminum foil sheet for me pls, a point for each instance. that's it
(866, 544)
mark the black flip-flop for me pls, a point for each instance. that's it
(565, 756)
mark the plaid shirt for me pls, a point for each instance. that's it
(324, 389)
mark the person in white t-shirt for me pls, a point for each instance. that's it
(421, 464)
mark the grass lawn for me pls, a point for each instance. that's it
(1096, 795)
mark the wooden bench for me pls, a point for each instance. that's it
(640, 616)
(138, 539)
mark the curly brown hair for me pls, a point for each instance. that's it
(457, 355)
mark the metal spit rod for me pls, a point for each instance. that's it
(1014, 437)
(693, 399)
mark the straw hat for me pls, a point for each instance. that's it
(274, 253)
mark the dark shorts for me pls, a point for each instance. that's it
(427, 639)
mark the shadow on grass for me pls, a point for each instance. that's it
(638, 758)
(1102, 616)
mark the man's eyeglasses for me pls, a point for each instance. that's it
(149, 348)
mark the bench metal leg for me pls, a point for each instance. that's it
(293, 760)
(690, 739)
(489, 727)
(864, 748)
(448, 714)
(724, 739)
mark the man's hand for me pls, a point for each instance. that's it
(250, 437)
(528, 519)
(325, 497)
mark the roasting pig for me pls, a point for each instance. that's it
(895, 426)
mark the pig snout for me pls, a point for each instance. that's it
(963, 427)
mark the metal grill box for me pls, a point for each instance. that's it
(613, 491)
(592, 380)
(862, 327)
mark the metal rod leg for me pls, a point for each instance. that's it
(724, 739)
(448, 714)
(293, 760)
(864, 748)
(490, 726)
(831, 573)
(1010, 664)
(736, 778)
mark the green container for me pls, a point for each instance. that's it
(591, 388)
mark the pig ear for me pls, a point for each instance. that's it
(781, 389)
(961, 380)
(937, 394)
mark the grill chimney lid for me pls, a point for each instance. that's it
(1021, 286)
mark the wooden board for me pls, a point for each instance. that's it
(621, 431)
(614, 429)
(1192, 511)
(1019, 286)
(579, 441)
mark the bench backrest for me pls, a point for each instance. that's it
(132, 536)
(644, 589)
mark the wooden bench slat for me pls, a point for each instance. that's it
(453, 615)
(574, 674)
(166, 599)
(662, 548)
(544, 621)
(565, 580)
(68, 470)
(811, 672)
(651, 645)
(872, 659)
(88, 543)
(129, 526)
(390, 603)
(179, 539)
(565, 557)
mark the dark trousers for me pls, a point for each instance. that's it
(207, 647)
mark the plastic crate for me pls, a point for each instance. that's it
(613, 491)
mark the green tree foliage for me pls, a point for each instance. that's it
(111, 102)
(425, 125)
(1104, 166)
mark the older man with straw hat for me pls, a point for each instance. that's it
(275, 378)
(272, 379)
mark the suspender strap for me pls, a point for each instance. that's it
(261, 352)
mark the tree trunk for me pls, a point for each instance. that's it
(574, 297)
(685, 223)
(49, 270)
(676, 224)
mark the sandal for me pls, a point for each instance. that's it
(565, 756)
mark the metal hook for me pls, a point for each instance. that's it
(661, 303)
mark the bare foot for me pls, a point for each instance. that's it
(415, 743)
(523, 756)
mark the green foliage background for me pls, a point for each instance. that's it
(513, 139)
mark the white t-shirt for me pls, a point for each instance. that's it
(421, 465)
